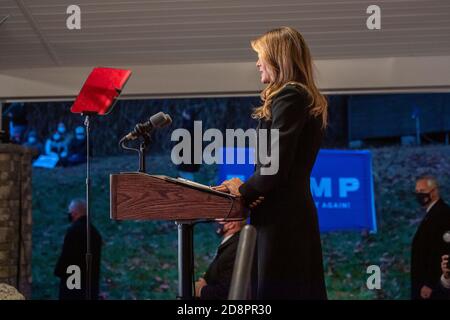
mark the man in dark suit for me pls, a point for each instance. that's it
(74, 253)
(428, 245)
(217, 280)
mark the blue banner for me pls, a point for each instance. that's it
(341, 185)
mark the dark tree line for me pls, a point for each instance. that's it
(220, 113)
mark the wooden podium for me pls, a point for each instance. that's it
(140, 196)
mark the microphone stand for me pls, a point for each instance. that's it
(88, 228)
(142, 152)
(97, 97)
(146, 140)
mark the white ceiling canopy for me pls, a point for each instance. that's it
(35, 41)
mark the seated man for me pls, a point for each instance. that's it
(56, 146)
(217, 279)
(34, 143)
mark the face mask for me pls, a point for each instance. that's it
(423, 198)
(70, 218)
(61, 129)
(56, 137)
(31, 140)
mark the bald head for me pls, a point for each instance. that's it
(428, 187)
(231, 227)
(77, 208)
(426, 184)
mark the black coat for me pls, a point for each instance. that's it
(74, 253)
(442, 293)
(219, 273)
(427, 249)
(289, 253)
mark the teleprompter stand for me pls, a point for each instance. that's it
(97, 97)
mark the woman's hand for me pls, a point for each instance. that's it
(221, 188)
(232, 186)
(256, 203)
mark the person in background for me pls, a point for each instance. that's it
(428, 246)
(57, 144)
(4, 125)
(216, 282)
(17, 121)
(33, 143)
(62, 130)
(74, 253)
(77, 147)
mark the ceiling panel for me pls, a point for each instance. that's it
(193, 31)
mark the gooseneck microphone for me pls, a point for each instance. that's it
(143, 131)
(159, 120)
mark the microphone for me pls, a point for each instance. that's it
(156, 121)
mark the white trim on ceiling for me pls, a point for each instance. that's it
(338, 76)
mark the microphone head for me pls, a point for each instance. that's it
(160, 120)
(168, 119)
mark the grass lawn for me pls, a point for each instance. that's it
(139, 259)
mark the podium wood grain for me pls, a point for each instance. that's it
(139, 196)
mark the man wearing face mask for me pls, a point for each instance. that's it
(74, 253)
(77, 147)
(33, 143)
(216, 282)
(428, 246)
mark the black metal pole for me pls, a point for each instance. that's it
(88, 229)
(185, 263)
(142, 150)
(4, 135)
(19, 248)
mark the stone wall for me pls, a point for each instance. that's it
(15, 217)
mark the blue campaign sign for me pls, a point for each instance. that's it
(341, 185)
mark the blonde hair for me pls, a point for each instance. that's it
(287, 55)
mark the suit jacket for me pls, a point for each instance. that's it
(289, 253)
(442, 293)
(427, 249)
(74, 253)
(219, 273)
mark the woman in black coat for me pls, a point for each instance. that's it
(289, 253)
